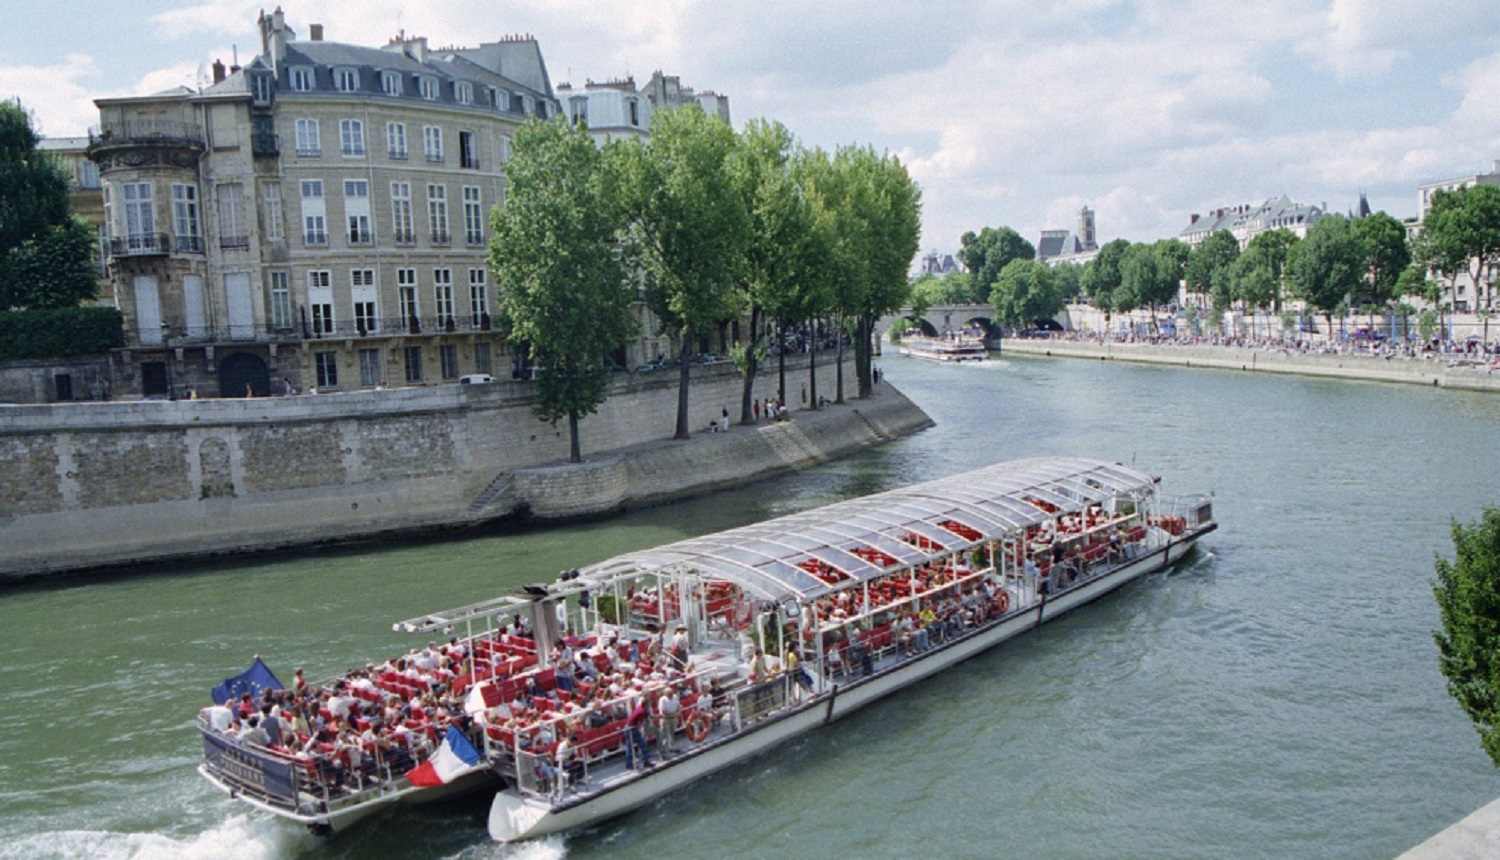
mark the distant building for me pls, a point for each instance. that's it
(1425, 191)
(1247, 221)
(1064, 246)
(617, 108)
(934, 263)
(1459, 293)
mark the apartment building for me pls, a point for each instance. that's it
(316, 218)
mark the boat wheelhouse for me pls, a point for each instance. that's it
(629, 678)
(953, 348)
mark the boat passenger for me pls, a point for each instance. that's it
(667, 709)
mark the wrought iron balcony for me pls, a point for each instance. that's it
(140, 245)
(147, 132)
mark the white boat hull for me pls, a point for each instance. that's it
(515, 817)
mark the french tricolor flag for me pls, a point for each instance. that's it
(452, 760)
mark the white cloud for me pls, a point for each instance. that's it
(58, 95)
(1368, 36)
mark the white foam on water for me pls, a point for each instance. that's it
(548, 848)
(239, 837)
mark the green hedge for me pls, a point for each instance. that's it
(60, 333)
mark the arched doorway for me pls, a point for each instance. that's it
(243, 372)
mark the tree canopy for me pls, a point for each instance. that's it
(1382, 241)
(1101, 276)
(1461, 232)
(46, 255)
(1468, 597)
(1024, 292)
(1325, 268)
(985, 253)
(1209, 266)
(563, 279)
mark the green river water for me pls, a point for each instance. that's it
(1276, 695)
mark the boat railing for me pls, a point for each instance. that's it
(1184, 514)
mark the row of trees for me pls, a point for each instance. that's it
(708, 226)
(1343, 265)
(46, 254)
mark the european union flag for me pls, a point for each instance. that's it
(252, 681)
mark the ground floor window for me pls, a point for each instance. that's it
(369, 367)
(327, 365)
(413, 359)
(448, 358)
(482, 357)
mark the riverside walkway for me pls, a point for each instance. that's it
(1476, 837)
(1445, 371)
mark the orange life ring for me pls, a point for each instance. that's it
(1002, 602)
(697, 727)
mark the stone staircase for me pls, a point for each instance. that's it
(502, 484)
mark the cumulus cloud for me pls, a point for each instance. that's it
(59, 96)
(1368, 36)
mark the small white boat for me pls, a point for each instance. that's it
(675, 662)
(953, 348)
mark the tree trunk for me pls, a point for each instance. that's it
(682, 388)
(575, 454)
(781, 362)
(747, 394)
(812, 365)
(862, 349)
(839, 366)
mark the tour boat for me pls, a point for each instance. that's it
(712, 649)
(954, 348)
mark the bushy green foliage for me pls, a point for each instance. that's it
(1468, 598)
(60, 332)
(46, 255)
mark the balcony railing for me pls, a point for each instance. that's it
(189, 244)
(265, 143)
(151, 132)
(234, 242)
(396, 326)
(360, 237)
(140, 245)
(315, 237)
(403, 237)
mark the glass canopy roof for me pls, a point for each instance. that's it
(880, 534)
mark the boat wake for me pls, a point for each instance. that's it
(240, 837)
(547, 848)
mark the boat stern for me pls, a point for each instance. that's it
(513, 817)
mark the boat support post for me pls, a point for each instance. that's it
(832, 695)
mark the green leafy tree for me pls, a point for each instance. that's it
(985, 253)
(1207, 267)
(1382, 240)
(563, 280)
(1101, 276)
(1468, 599)
(1327, 267)
(1150, 276)
(1024, 292)
(1069, 278)
(1259, 275)
(46, 255)
(1461, 233)
(688, 214)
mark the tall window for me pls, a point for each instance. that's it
(232, 230)
(369, 367)
(482, 356)
(473, 216)
(395, 139)
(429, 88)
(401, 211)
(302, 79)
(463, 93)
(185, 217)
(448, 360)
(390, 83)
(437, 212)
(468, 157)
(281, 301)
(504, 149)
(271, 194)
(502, 100)
(351, 137)
(309, 143)
(320, 301)
(411, 356)
(406, 298)
(432, 142)
(140, 218)
(442, 293)
(327, 365)
(314, 213)
(479, 302)
(362, 292)
(357, 211)
(346, 80)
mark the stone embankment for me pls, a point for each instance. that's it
(101, 485)
(1443, 373)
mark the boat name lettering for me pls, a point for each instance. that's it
(275, 778)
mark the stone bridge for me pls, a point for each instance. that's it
(942, 319)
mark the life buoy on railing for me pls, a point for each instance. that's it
(697, 727)
(1002, 602)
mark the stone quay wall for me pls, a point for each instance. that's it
(88, 485)
(1441, 373)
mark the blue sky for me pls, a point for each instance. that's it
(1009, 112)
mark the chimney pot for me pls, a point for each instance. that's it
(218, 71)
(315, 32)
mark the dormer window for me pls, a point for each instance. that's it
(634, 108)
(390, 83)
(525, 104)
(463, 93)
(429, 88)
(346, 80)
(302, 79)
(502, 100)
(578, 110)
(541, 109)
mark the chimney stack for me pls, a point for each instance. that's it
(218, 71)
(315, 32)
